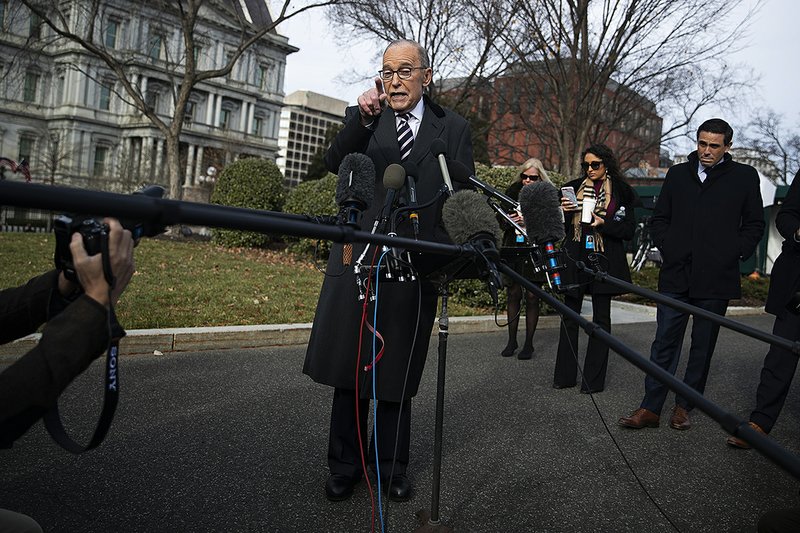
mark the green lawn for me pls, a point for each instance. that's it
(195, 283)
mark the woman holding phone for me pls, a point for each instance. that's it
(598, 218)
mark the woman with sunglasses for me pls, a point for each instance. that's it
(530, 171)
(597, 241)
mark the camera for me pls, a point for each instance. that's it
(94, 232)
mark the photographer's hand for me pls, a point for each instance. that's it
(90, 268)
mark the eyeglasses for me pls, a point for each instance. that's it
(534, 177)
(594, 164)
(403, 73)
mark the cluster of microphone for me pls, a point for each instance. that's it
(470, 217)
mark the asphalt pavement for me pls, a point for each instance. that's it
(236, 439)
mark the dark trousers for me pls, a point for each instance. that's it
(596, 363)
(344, 454)
(666, 349)
(776, 374)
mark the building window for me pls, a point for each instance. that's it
(105, 95)
(31, 87)
(261, 76)
(152, 99)
(2, 14)
(154, 47)
(26, 147)
(100, 160)
(197, 51)
(35, 27)
(224, 119)
(257, 126)
(112, 29)
(188, 113)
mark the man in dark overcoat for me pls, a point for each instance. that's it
(783, 301)
(708, 216)
(403, 308)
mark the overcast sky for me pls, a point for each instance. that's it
(322, 66)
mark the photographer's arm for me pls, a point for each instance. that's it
(70, 341)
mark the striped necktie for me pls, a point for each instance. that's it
(405, 137)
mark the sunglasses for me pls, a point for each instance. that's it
(529, 177)
(594, 164)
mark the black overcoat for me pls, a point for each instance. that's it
(785, 278)
(704, 228)
(333, 345)
(614, 232)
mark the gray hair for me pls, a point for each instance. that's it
(421, 52)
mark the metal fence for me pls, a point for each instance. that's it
(25, 219)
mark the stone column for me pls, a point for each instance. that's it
(198, 166)
(189, 165)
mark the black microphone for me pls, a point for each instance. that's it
(469, 220)
(544, 223)
(355, 188)
(394, 177)
(461, 174)
(354, 193)
(439, 150)
(411, 184)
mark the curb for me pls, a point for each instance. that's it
(168, 340)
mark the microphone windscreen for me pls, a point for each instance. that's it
(394, 177)
(541, 210)
(356, 180)
(411, 170)
(438, 147)
(459, 172)
(466, 215)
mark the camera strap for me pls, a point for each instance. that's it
(52, 419)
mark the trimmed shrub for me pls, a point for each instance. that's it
(316, 197)
(251, 183)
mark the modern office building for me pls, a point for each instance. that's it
(305, 119)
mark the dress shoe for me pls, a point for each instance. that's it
(400, 488)
(640, 418)
(736, 442)
(560, 386)
(591, 391)
(680, 419)
(339, 487)
(509, 350)
(525, 353)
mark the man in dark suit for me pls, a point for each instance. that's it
(338, 336)
(783, 301)
(708, 216)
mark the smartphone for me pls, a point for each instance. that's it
(569, 194)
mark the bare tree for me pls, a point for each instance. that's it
(576, 71)
(776, 148)
(79, 23)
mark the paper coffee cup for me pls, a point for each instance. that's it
(586, 210)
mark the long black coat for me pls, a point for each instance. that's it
(785, 278)
(333, 346)
(614, 232)
(704, 228)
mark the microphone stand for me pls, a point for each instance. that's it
(429, 520)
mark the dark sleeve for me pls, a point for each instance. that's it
(662, 212)
(625, 228)
(788, 219)
(353, 138)
(23, 309)
(30, 386)
(752, 227)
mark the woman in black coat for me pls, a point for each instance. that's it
(612, 221)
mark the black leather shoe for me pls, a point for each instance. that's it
(526, 352)
(399, 490)
(339, 487)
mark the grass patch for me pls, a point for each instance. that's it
(195, 283)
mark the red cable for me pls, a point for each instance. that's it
(358, 369)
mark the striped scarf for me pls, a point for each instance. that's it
(586, 190)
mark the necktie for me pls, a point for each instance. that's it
(405, 137)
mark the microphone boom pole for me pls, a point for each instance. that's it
(730, 423)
